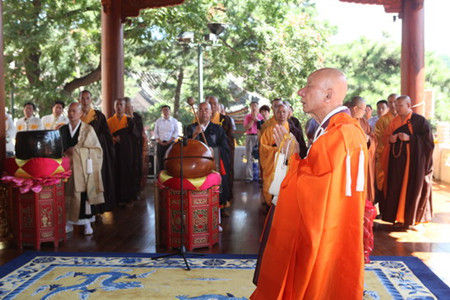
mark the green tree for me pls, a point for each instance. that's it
(51, 48)
(271, 45)
(373, 72)
(372, 68)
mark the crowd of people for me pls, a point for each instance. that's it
(317, 215)
(319, 219)
(108, 156)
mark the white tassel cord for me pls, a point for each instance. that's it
(348, 180)
(361, 178)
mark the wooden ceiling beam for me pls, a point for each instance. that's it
(390, 6)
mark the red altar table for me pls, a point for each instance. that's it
(38, 217)
(201, 211)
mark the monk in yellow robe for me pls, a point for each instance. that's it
(268, 149)
(271, 121)
(315, 245)
(380, 128)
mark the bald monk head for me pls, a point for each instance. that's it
(358, 107)
(214, 104)
(74, 113)
(281, 113)
(324, 91)
(391, 103)
(204, 113)
(403, 106)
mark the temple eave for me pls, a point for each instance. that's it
(390, 6)
(131, 8)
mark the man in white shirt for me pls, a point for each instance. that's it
(29, 122)
(166, 131)
(10, 131)
(56, 119)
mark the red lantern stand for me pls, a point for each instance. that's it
(201, 208)
(38, 217)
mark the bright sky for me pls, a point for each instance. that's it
(356, 20)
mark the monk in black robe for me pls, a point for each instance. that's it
(124, 134)
(225, 122)
(216, 138)
(138, 145)
(97, 120)
(409, 165)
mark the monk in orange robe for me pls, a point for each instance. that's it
(315, 245)
(380, 129)
(408, 165)
(358, 108)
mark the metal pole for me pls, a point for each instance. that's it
(200, 73)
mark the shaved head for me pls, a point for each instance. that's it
(281, 113)
(325, 90)
(404, 98)
(358, 107)
(204, 112)
(391, 103)
(75, 105)
(334, 80)
(214, 103)
(403, 105)
(74, 112)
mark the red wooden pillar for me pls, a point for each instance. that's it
(412, 63)
(2, 96)
(112, 55)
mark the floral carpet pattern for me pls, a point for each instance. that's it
(36, 275)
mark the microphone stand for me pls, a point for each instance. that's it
(182, 249)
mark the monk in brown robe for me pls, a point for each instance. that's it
(408, 165)
(140, 146)
(97, 120)
(315, 245)
(380, 128)
(124, 134)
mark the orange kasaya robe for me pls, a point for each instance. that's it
(315, 246)
(89, 117)
(396, 123)
(115, 124)
(380, 128)
(371, 147)
(267, 151)
(268, 123)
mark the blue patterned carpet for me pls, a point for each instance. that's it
(39, 275)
